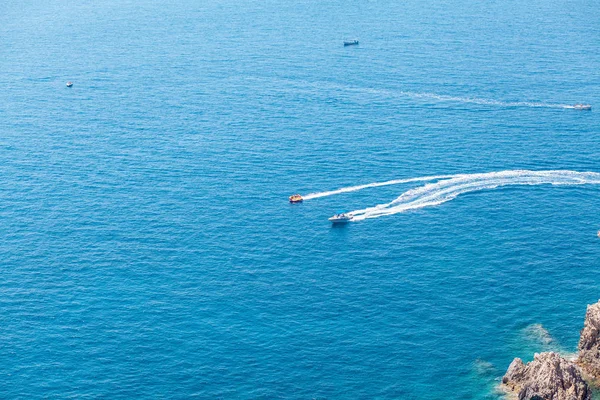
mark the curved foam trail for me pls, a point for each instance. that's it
(433, 194)
(376, 184)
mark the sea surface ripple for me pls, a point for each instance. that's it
(148, 248)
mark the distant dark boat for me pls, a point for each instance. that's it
(350, 42)
(69, 84)
(584, 107)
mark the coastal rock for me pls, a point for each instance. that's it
(548, 377)
(589, 342)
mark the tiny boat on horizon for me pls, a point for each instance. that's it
(296, 198)
(341, 218)
(583, 107)
(350, 42)
(69, 84)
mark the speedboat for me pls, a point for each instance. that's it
(350, 42)
(69, 84)
(583, 107)
(341, 218)
(296, 198)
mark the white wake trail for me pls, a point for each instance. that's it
(420, 95)
(475, 100)
(447, 189)
(376, 184)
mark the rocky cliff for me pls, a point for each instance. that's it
(589, 342)
(548, 377)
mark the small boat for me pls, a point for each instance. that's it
(296, 198)
(341, 218)
(350, 42)
(69, 84)
(599, 234)
(583, 107)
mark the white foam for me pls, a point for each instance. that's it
(475, 100)
(445, 190)
(376, 184)
(421, 95)
(469, 100)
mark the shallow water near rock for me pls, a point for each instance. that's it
(148, 247)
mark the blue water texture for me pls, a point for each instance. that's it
(147, 246)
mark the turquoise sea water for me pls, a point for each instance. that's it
(148, 249)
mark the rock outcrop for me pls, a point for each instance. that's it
(589, 342)
(548, 377)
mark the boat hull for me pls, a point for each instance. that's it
(585, 107)
(337, 222)
(340, 220)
